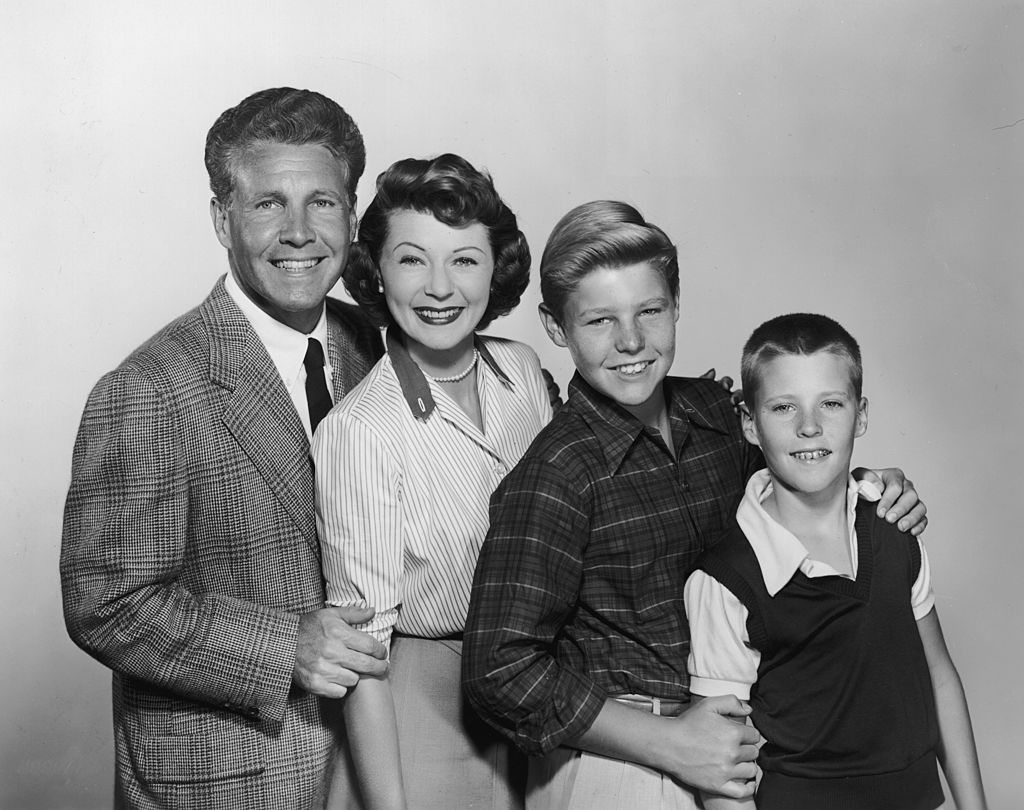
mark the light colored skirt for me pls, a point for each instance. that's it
(450, 758)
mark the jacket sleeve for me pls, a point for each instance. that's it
(127, 536)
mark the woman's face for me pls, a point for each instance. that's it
(437, 282)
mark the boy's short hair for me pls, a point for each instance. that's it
(451, 190)
(603, 233)
(797, 333)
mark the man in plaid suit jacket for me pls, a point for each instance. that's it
(190, 562)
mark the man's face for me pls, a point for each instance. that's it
(619, 324)
(287, 228)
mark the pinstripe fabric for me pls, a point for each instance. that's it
(402, 501)
(189, 550)
(578, 592)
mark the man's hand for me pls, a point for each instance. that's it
(330, 655)
(710, 747)
(899, 501)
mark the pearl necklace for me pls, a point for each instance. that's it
(461, 375)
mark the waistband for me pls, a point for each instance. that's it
(659, 706)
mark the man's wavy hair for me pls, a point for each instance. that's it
(282, 115)
(453, 192)
(602, 233)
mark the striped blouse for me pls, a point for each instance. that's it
(403, 482)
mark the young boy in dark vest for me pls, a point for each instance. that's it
(820, 613)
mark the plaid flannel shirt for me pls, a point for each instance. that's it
(578, 592)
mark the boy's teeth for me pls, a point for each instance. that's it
(812, 455)
(633, 368)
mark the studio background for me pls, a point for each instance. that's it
(862, 160)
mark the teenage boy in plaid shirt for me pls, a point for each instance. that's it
(576, 639)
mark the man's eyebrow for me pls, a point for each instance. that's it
(327, 192)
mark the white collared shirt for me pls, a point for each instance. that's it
(286, 347)
(721, 660)
(402, 490)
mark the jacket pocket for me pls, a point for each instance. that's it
(230, 753)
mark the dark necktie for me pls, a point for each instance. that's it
(317, 398)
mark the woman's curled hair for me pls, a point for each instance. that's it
(453, 192)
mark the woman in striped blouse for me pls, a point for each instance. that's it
(405, 466)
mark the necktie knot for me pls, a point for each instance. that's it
(317, 396)
(314, 355)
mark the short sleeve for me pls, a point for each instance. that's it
(721, 660)
(922, 598)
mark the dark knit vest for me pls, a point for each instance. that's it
(843, 693)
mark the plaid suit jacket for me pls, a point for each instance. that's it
(189, 551)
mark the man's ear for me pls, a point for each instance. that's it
(749, 425)
(219, 217)
(862, 417)
(552, 326)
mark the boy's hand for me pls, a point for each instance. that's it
(554, 395)
(726, 383)
(710, 747)
(899, 501)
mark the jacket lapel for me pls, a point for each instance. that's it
(258, 411)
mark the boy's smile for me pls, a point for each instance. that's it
(619, 324)
(805, 417)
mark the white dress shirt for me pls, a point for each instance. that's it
(286, 347)
(403, 482)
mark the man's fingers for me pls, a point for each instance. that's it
(358, 663)
(339, 621)
(351, 614)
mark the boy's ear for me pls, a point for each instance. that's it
(749, 426)
(862, 417)
(552, 326)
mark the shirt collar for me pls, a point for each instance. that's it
(779, 553)
(414, 384)
(618, 430)
(286, 346)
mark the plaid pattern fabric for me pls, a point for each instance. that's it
(189, 550)
(578, 593)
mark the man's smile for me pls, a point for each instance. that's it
(296, 264)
